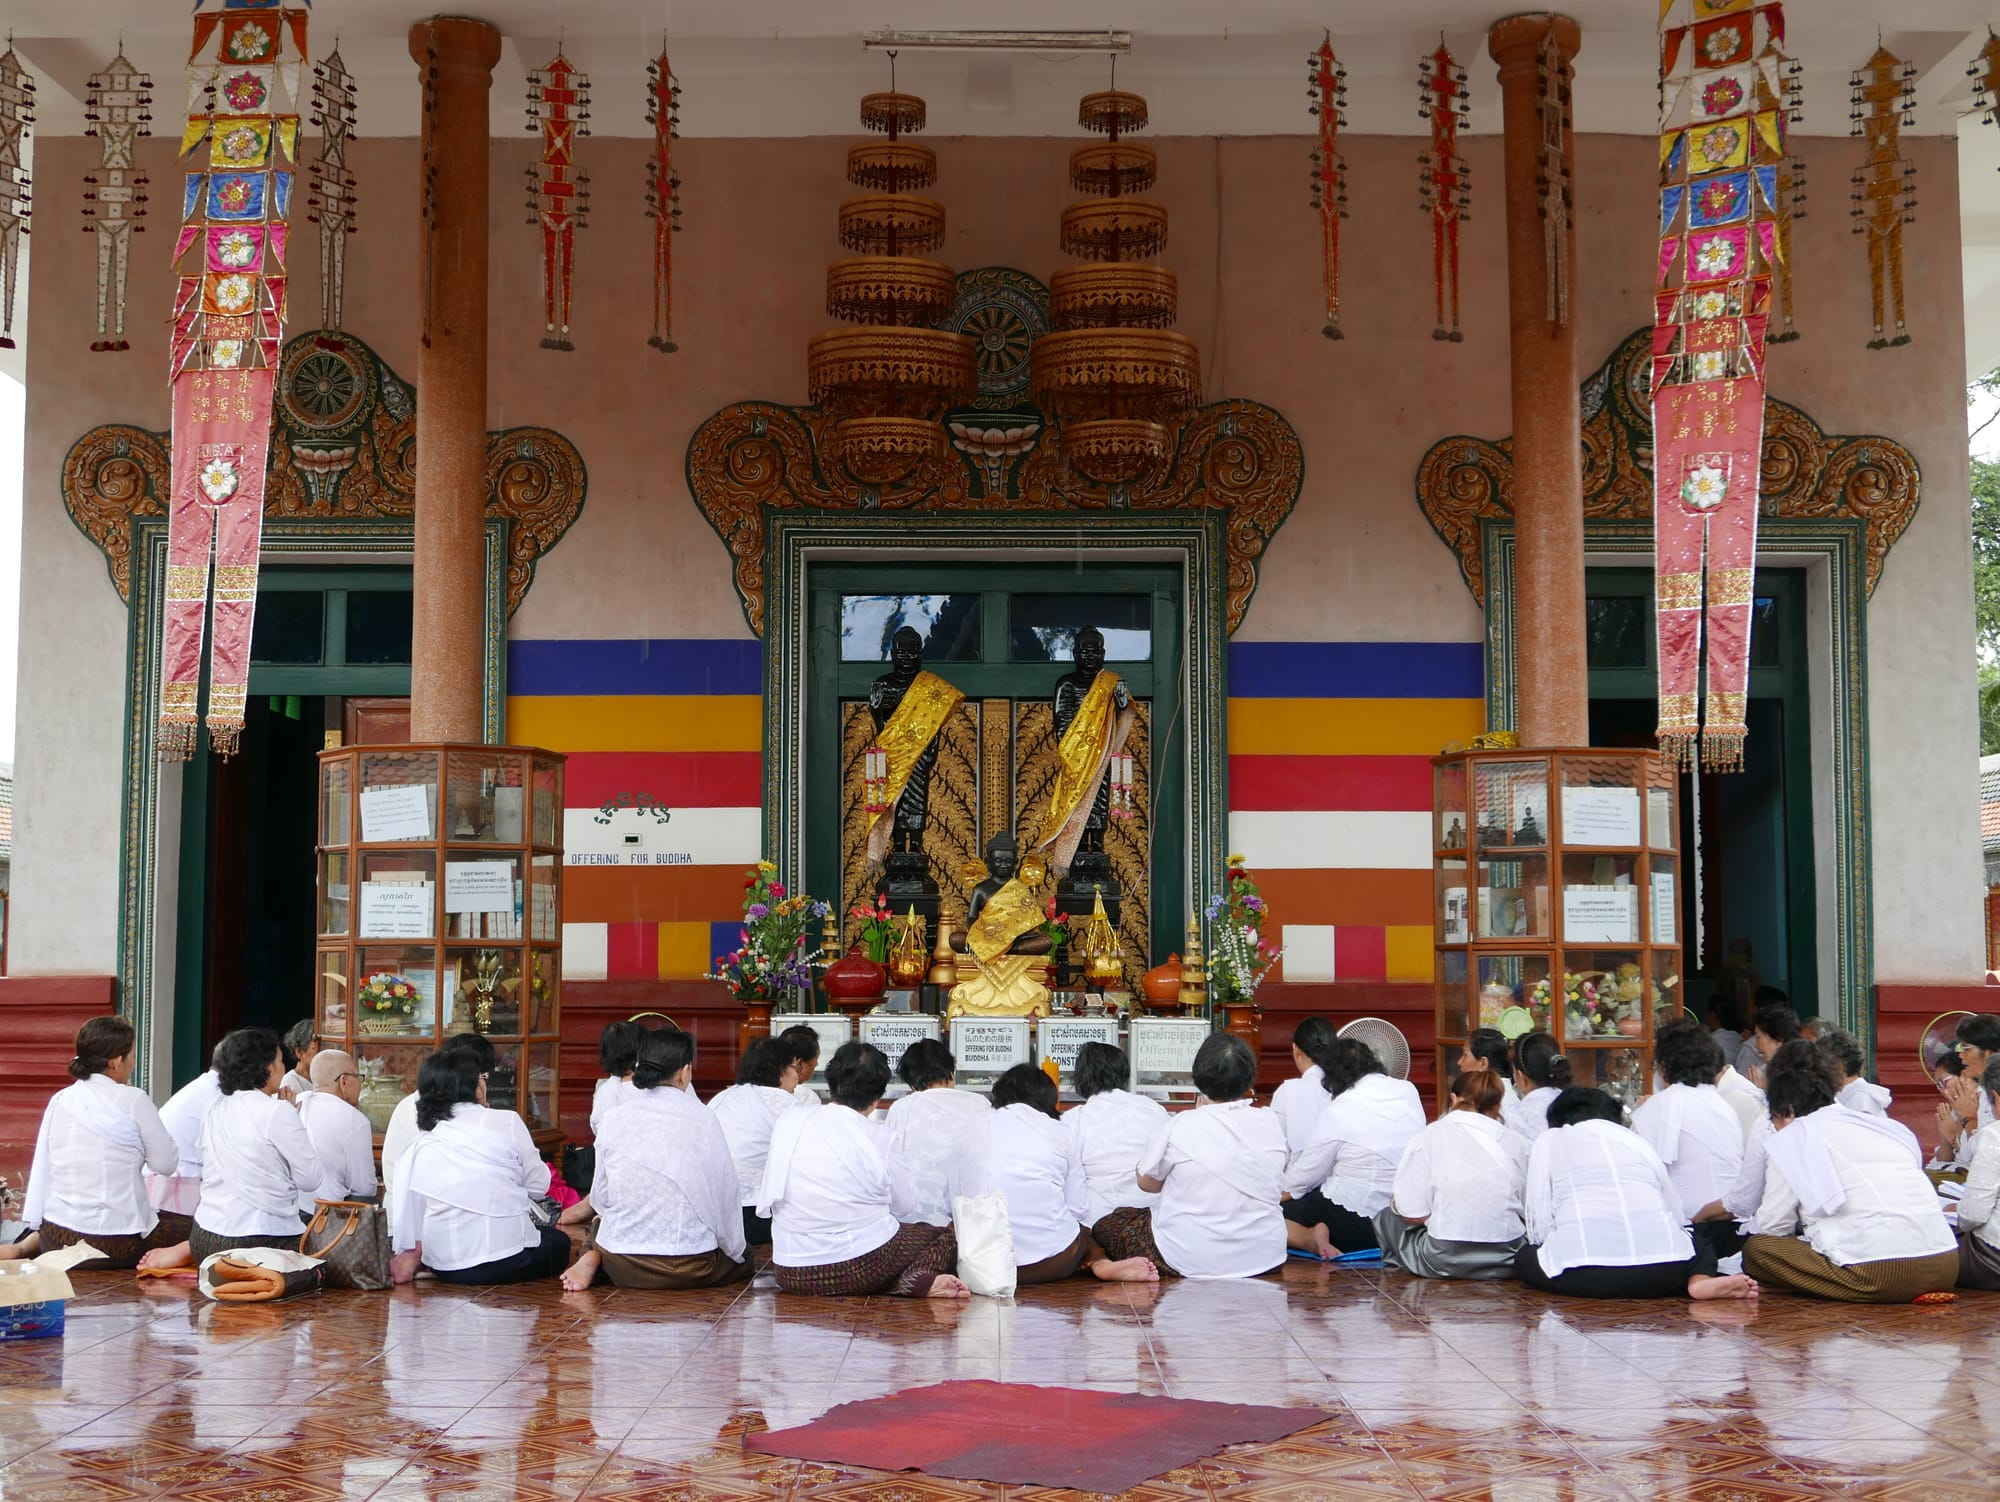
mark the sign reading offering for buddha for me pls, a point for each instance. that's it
(989, 1045)
(894, 1035)
(1059, 1038)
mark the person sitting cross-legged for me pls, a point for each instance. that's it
(747, 1111)
(1111, 1128)
(934, 1128)
(1342, 1179)
(1456, 1207)
(1979, 1210)
(1694, 1130)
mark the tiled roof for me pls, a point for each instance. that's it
(6, 812)
(1989, 802)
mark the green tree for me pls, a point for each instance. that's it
(1986, 574)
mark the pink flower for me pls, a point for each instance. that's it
(777, 889)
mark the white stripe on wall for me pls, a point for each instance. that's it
(1365, 840)
(690, 837)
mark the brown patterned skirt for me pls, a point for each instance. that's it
(1790, 1263)
(1129, 1233)
(903, 1267)
(119, 1251)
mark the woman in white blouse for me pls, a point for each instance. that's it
(179, 1191)
(97, 1139)
(1539, 1061)
(1219, 1172)
(1299, 1101)
(1848, 1212)
(1857, 1091)
(836, 1195)
(1111, 1129)
(1604, 1219)
(1742, 1200)
(256, 1159)
(934, 1130)
(1979, 1210)
(1694, 1130)
(1456, 1210)
(617, 1054)
(1034, 1165)
(766, 1080)
(665, 1186)
(1341, 1180)
(463, 1188)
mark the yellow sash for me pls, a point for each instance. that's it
(1009, 913)
(911, 729)
(1098, 730)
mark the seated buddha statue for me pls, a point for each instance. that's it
(1003, 917)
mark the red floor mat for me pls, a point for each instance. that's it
(1028, 1435)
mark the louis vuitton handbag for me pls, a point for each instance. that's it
(352, 1238)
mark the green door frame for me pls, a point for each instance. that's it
(1786, 680)
(994, 676)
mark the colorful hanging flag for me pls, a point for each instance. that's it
(1444, 179)
(1721, 149)
(558, 197)
(246, 67)
(17, 115)
(663, 194)
(1327, 89)
(1885, 185)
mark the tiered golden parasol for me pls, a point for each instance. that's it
(889, 380)
(1111, 369)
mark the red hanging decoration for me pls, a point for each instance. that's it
(663, 194)
(1327, 89)
(558, 190)
(1445, 178)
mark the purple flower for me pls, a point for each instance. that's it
(756, 910)
(1255, 904)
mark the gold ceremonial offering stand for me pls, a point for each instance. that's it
(440, 912)
(1557, 905)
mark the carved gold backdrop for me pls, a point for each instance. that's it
(996, 763)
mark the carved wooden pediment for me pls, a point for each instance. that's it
(1806, 472)
(343, 450)
(1239, 458)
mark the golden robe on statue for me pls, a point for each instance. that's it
(1098, 733)
(925, 706)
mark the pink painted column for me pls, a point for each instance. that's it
(455, 59)
(1551, 676)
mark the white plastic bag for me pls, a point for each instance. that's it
(985, 1244)
(289, 1273)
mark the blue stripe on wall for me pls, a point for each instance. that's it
(1356, 670)
(635, 666)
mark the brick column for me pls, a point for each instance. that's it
(1552, 703)
(455, 59)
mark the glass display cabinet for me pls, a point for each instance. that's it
(440, 911)
(1557, 905)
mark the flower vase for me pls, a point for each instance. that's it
(1245, 1021)
(854, 983)
(756, 1021)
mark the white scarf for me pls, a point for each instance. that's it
(852, 1143)
(260, 1177)
(429, 1169)
(1377, 1113)
(92, 1109)
(1676, 1115)
(1869, 1090)
(1212, 1136)
(1483, 1130)
(1802, 1155)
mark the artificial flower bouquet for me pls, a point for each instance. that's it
(776, 954)
(1239, 956)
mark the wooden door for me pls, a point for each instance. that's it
(381, 720)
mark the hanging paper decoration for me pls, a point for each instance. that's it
(17, 114)
(663, 195)
(1445, 178)
(558, 191)
(118, 110)
(1885, 186)
(1785, 75)
(1552, 172)
(1327, 89)
(228, 325)
(331, 205)
(1722, 138)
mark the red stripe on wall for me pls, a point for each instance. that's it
(679, 779)
(632, 951)
(1346, 897)
(1284, 784)
(1360, 953)
(652, 894)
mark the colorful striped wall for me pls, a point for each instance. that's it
(1329, 782)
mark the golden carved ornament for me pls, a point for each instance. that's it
(1112, 112)
(893, 114)
(1154, 373)
(1237, 458)
(891, 166)
(1805, 471)
(1127, 294)
(1115, 451)
(888, 224)
(882, 450)
(848, 368)
(1113, 167)
(889, 289)
(1114, 229)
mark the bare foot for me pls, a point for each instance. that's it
(1323, 1244)
(582, 1272)
(1127, 1270)
(945, 1286)
(403, 1266)
(28, 1246)
(577, 1214)
(1735, 1286)
(180, 1254)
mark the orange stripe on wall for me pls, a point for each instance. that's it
(1347, 897)
(651, 894)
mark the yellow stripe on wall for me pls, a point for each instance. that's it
(684, 950)
(637, 722)
(1351, 727)
(1409, 953)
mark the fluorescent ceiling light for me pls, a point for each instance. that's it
(1001, 41)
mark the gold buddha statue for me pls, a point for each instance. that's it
(1003, 918)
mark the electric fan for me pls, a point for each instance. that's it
(1939, 1038)
(1385, 1040)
